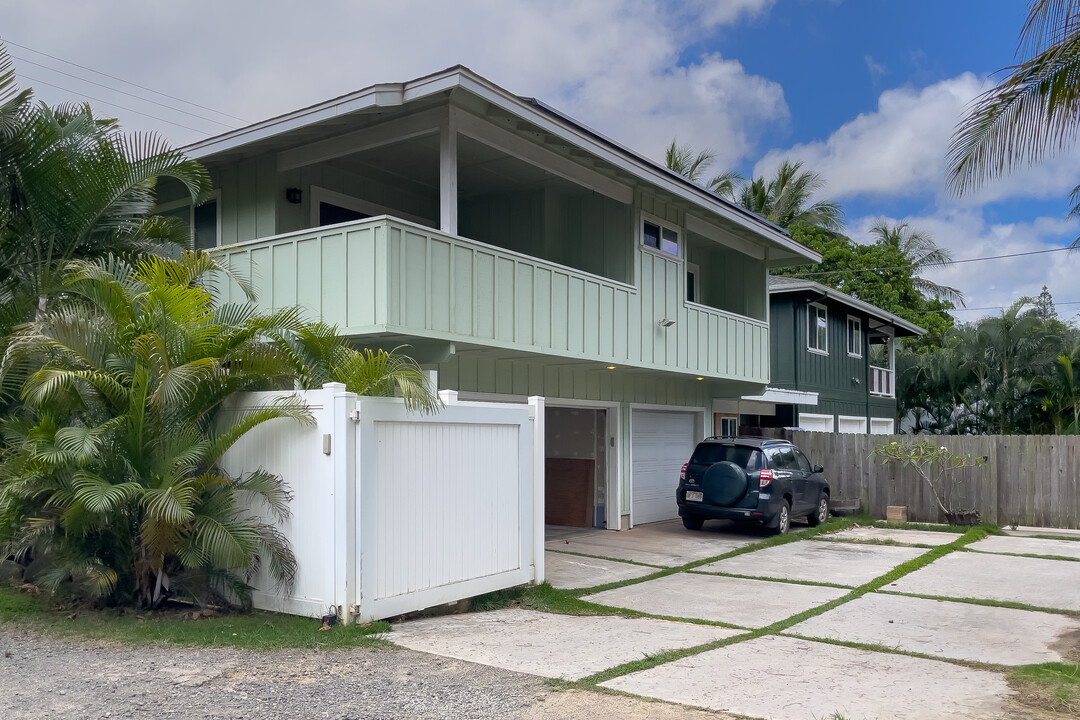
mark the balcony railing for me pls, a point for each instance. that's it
(384, 275)
(882, 382)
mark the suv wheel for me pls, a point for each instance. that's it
(821, 513)
(692, 523)
(783, 518)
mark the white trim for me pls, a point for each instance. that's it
(784, 396)
(847, 336)
(693, 269)
(820, 351)
(662, 224)
(888, 423)
(613, 496)
(215, 196)
(841, 419)
(719, 432)
(387, 95)
(317, 195)
(448, 173)
(815, 416)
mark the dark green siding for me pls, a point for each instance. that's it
(840, 380)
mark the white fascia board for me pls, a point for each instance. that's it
(553, 122)
(785, 397)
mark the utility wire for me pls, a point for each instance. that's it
(124, 92)
(937, 265)
(127, 82)
(106, 102)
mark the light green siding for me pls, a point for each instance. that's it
(383, 276)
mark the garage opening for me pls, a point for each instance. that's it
(575, 467)
(661, 442)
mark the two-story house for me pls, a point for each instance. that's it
(515, 252)
(833, 364)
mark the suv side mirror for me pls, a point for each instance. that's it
(818, 469)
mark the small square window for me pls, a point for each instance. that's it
(854, 337)
(660, 237)
(817, 331)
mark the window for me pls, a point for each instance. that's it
(817, 336)
(693, 289)
(203, 221)
(660, 237)
(800, 460)
(729, 426)
(854, 337)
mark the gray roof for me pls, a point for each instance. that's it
(779, 284)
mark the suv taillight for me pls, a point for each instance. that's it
(682, 473)
(766, 478)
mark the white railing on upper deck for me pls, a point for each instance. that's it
(882, 382)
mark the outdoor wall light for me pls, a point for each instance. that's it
(293, 195)
(610, 367)
(666, 323)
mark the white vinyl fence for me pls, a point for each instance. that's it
(394, 511)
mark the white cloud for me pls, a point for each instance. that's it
(899, 149)
(997, 283)
(613, 65)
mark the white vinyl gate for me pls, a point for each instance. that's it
(394, 511)
(445, 504)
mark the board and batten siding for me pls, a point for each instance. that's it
(386, 275)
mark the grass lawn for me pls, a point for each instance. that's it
(1054, 686)
(256, 630)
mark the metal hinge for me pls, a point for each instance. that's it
(354, 415)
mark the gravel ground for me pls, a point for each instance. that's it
(47, 678)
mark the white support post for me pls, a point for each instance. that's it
(448, 175)
(448, 397)
(341, 403)
(537, 404)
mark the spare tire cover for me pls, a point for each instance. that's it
(724, 484)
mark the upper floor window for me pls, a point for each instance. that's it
(854, 337)
(817, 331)
(203, 221)
(660, 237)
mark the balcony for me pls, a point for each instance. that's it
(384, 276)
(882, 382)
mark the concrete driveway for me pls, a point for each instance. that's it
(783, 632)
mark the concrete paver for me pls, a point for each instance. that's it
(848, 564)
(565, 571)
(786, 678)
(1005, 578)
(747, 603)
(909, 537)
(556, 646)
(961, 631)
(1026, 530)
(665, 544)
(1028, 546)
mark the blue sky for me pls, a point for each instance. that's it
(866, 92)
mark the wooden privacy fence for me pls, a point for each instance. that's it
(1028, 479)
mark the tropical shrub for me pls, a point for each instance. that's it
(937, 466)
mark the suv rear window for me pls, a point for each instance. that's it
(747, 458)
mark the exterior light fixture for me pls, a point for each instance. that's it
(610, 367)
(293, 195)
(701, 378)
(666, 323)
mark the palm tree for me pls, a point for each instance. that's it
(682, 160)
(111, 469)
(921, 253)
(75, 187)
(1032, 113)
(785, 200)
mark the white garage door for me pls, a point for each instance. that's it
(661, 443)
(816, 423)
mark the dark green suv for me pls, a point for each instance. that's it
(754, 479)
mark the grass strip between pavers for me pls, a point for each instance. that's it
(971, 535)
(1009, 604)
(605, 557)
(788, 581)
(1037, 556)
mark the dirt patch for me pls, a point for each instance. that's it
(1068, 645)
